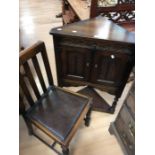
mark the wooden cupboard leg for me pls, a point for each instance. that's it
(29, 125)
(112, 108)
(65, 150)
(88, 118)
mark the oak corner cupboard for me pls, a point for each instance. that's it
(95, 52)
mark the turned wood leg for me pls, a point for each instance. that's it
(88, 118)
(112, 108)
(29, 125)
(65, 150)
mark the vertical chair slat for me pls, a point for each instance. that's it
(25, 90)
(46, 63)
(21, 104)
(31, 79)
(38, 71)
(25, 56)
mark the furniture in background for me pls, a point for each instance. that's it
(97, 53)
(124, 125)
(54, 111)
(119, 11)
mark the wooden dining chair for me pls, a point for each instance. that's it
(55, 111)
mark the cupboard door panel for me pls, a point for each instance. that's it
(109, 68)
(75, 63)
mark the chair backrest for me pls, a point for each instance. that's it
(26, 73)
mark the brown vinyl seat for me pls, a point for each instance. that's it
(57, 112)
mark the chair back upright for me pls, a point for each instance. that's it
(28, 65)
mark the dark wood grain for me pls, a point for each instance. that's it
(46, 63)
(96, 28)
(31, 79)
(124, 125)
(57, 112)
(39, 47)
(103, 61)
(75, 65)
(25, 90)
(38, 71)
(21, 104)
(108, 68)
(98, 104)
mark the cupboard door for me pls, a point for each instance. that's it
(109, 68)
(75, 63)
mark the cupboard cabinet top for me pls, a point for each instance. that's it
(96, 28)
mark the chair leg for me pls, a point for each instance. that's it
(112, 108)
(65, 150)
(88, 118)
(29, 125)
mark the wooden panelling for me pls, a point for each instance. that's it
(124, 125)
